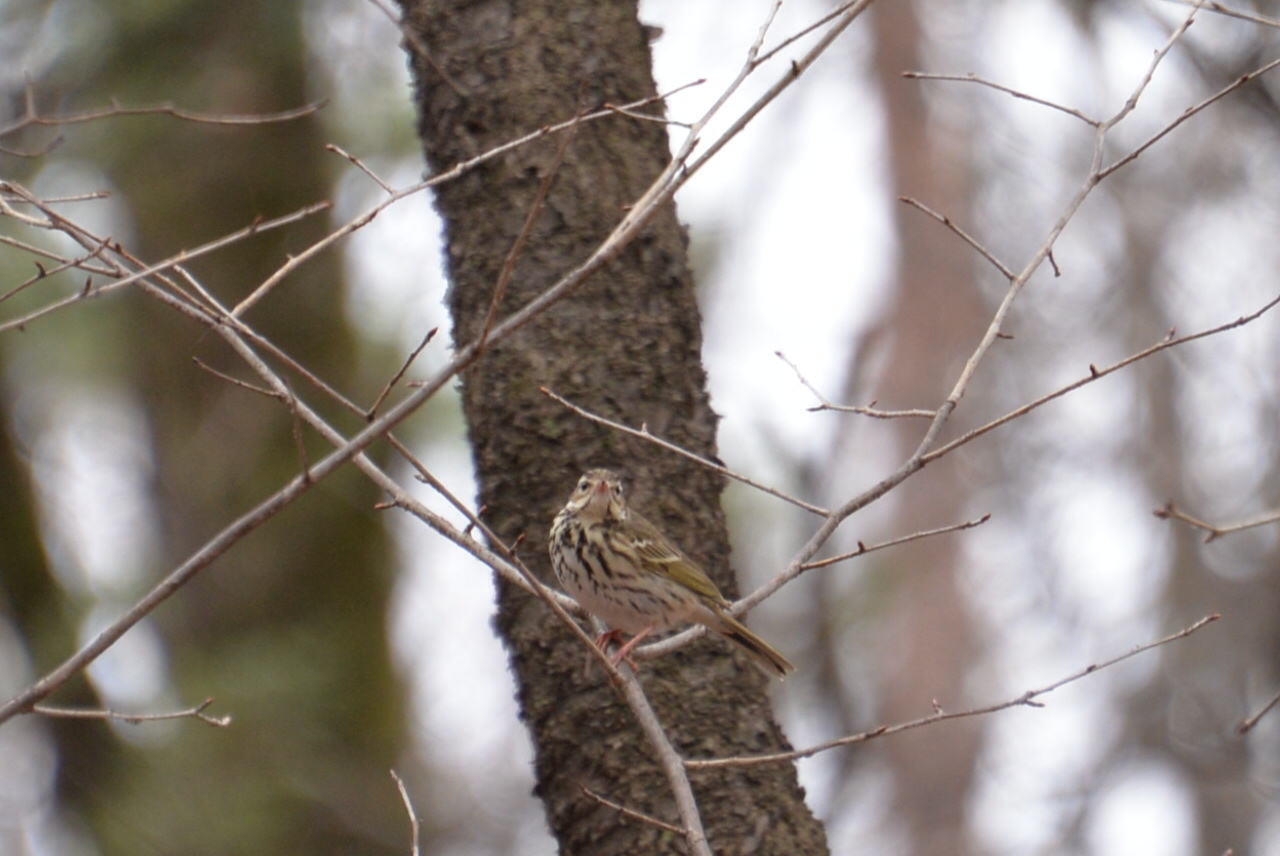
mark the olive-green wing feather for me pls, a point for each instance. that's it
(653, 549)
(647, 547)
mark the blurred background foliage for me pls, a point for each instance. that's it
(139, 455)
(344, 643)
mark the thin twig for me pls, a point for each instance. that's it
(1027, 699)
(632, 813)
(411, 37)
(79, 263)
(1222, 9)
(59, 223)
(753, 53)
(206, 298)
(648, 117)
(299, 441)
(86, 196)
(1172, 512)
(413, 355)
(1016, 93)
(517, 246)
(1247, 725)
(1096, 374)
(895, 542)
(414, 827)
(458, 169)
(234, 380)
(1188, 113)
(800, 34)
(1131, 103)
(197, 712)
(870, 410)
(31, 116)
(643, 434)
(360, 165)
(964, 236)
(797, 68)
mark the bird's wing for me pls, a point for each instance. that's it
(651, 546)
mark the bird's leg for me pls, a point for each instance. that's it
(624, 652)
(603, 640)
(607, 638)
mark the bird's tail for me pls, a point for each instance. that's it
(763, 655)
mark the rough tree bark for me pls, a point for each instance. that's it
(627, 345)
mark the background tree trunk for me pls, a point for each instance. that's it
(626, 345)
(290, 628)
(926, 641)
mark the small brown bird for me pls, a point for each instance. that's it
(626, 573)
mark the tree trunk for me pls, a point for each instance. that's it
(935, 320)
(626, 345)
(289, 628)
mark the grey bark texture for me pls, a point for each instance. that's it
(627, 344)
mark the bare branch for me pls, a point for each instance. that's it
(31, 116)
(1247, 725)
(414, 826)
(643, 434)
(1172, 512)
(753, 53)
(360, 165)
(411, 38)
(824, 404)
(800, 34)
(850, 13)
(450, 174)
(632, 813)
(197, 712)
(1222, 9)
(413, 355)
(1016, 93)
(964, 236)
(925, 452)
(671, 763)
(895, 542)
(1188, 113)
(646, 117)
(1131, 103)
(78, 263)
(56, 222)
(509, 263)
(1096, 374)
(1027, 699)
(235, 381)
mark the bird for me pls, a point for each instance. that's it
(622, 570)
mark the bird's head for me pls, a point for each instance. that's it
(598, 496)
